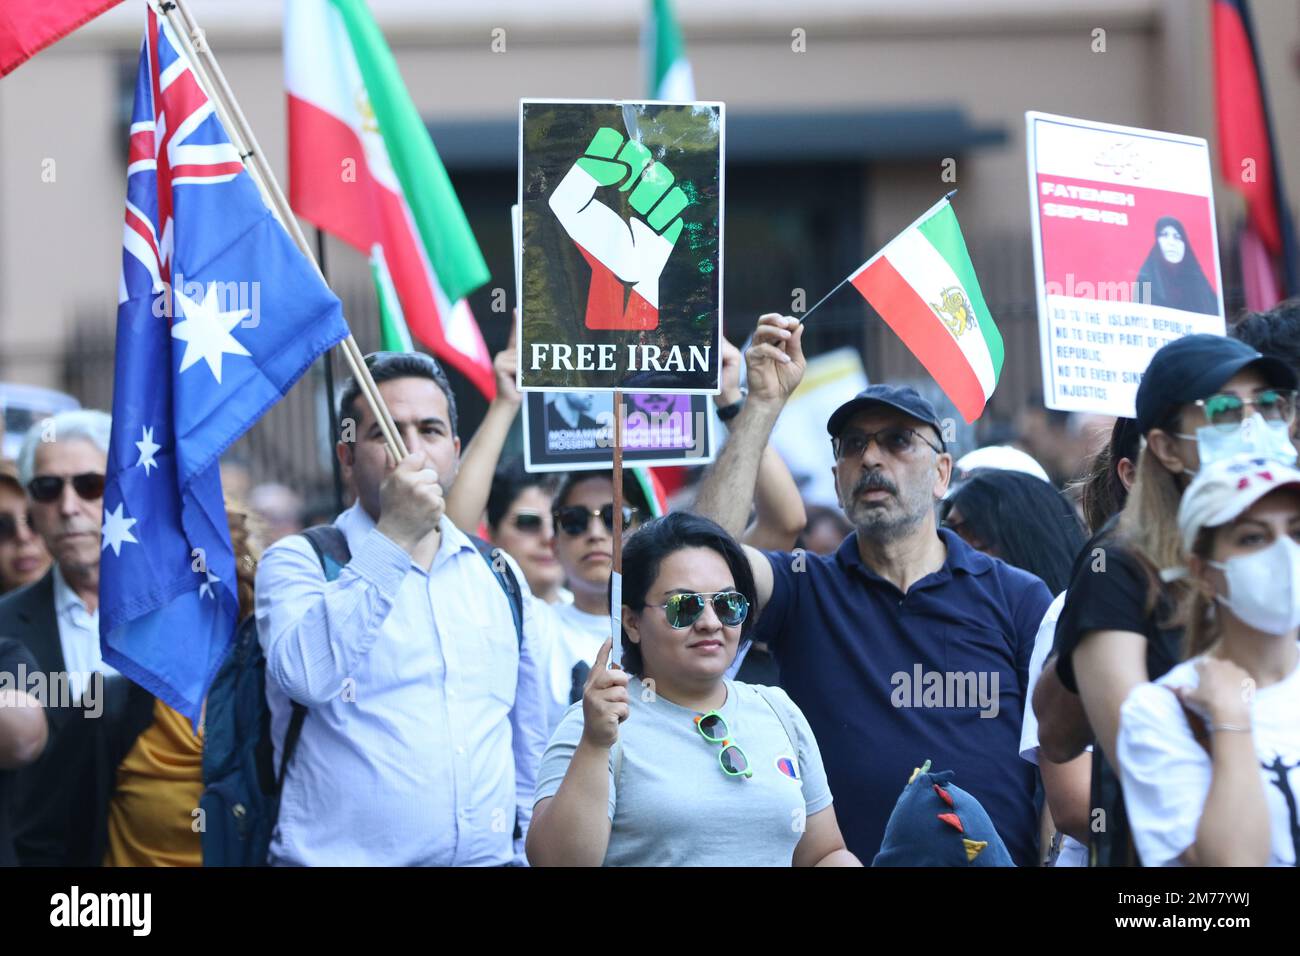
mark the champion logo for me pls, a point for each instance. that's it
(788, 767)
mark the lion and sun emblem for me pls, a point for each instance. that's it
(955, 311)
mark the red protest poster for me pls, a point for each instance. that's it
(1125, 250)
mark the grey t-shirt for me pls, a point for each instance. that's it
(674, 806)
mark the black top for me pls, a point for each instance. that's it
(14, 660)
(1108, 592)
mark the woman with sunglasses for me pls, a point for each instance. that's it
(1203, 399)
(23, 558)
(519, 521)
(667, 762)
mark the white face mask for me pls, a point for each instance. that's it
(1264, 587)
(1255, 436)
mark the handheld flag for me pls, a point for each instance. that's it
(218, 315)
(924, 287)
(363, 168)
(28, 26)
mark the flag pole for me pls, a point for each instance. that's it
(208, 72)
(837, 288)
(617, 569)
(328, 360)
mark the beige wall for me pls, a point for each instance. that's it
(60, 242)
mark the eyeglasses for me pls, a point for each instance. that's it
(899, 441)
(683, 610)
(47, 488)
(575, 519)
(1226, 410)
(713, 728)
(529, 522)
(9, 526)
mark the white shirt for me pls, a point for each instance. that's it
(78, 636)
(1166, 773)
(426, 717)
(1072, 852)
(573, 637)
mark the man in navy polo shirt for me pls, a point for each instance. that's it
(906, 644)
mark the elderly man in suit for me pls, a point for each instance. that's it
(61, 465)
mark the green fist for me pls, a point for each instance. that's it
(612, 161)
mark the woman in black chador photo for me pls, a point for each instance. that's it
(1171, 276)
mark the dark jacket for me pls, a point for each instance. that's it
(61, 804)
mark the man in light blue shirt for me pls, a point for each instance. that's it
(426, 714)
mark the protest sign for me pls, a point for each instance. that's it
(574, 431)
(621, 246)
(1125, 251)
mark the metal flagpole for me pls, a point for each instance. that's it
(208, 72)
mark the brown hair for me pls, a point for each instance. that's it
(1196, 606)
(1148, 525)
(245, 536)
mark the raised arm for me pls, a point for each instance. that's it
(572, 828)
(468, 496)
(314, 633)
(779, 512)
(775, 367)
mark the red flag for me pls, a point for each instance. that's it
(1247, 158)
(28, 26)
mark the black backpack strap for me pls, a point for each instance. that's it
(331, 547)
(506, 578)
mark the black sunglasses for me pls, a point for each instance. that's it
(575, 519)
(9, 526)
(47, 488)
(528, 522)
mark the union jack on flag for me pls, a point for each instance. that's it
(218, 315)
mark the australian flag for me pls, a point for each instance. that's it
(218, 315)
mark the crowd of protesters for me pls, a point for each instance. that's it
(437, 679)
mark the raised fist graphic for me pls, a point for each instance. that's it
(626, 256)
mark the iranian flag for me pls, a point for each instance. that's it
(362, 167)
(670, 71)
(924, 287)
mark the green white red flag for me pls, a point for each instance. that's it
(924, 287)
(665, 51)
(363, 167)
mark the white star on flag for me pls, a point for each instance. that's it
(205, 589)
(147, 448)
(117, 531)
(206, 331)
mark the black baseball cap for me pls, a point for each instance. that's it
(902, 397)
(1196, 366)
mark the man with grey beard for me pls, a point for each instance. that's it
(901, 599)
